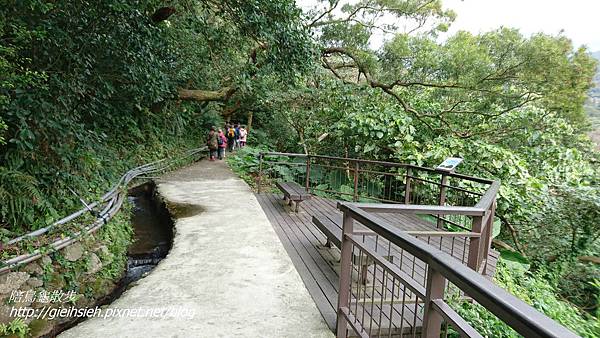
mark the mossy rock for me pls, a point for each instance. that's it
(89, 241)
(102, 287)
(39, 327)
(56, 281)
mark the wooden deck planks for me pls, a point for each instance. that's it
(457, 248)
(319, 272)
(318, 266)
(311, 275)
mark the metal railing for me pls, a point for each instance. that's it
(430, 193)
(380, 299)
(103, 210)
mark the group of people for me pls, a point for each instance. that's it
(233, 137)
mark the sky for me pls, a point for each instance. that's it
(579, 19)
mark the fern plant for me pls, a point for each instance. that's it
(19, 196)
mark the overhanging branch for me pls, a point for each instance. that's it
(206, 95)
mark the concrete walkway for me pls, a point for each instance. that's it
(227, 274)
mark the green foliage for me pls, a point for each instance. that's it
(465, 98)
(60, 122)
(471, 81)
(571, 228)
(17, 193)
(351, 23)
(511, 106)
(577, 282)
(89, 90)
(118, 234)
(16, 327)
(514, 261)
(245, 162)
(592, 105)
(2, 129)
(547, 204)
(535, 290)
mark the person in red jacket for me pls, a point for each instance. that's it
(222, 141)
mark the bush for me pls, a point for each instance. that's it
(535, 290)
(245, 163)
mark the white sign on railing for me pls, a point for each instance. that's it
(449, 164)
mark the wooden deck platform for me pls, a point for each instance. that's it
(318, 265)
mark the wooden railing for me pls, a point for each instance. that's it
(386, 301)
(395, 282)
(439, 196)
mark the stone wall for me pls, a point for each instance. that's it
(75, 277)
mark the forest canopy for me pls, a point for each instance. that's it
(88, 89)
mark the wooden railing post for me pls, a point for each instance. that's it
(407, 186)
(442, 198)
(432, 321)
(489, 231)
(307, 186)
(345, 275)
(356, 172)
(259, 179)
(475, 244)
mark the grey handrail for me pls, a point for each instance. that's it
(111, 201)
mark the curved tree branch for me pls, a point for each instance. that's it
(513, 233)
(452, 107)
(314, 22)
(206, 95)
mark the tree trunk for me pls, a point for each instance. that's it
(205, 95)
(302, 141)
(502, 245)
(249, 126)
(589, 259)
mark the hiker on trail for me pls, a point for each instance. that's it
(212, 143)
(222, 142)
(243, 136)
(230, 133)
(237, 135)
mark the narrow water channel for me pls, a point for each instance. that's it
(152, 240)
(153, 231)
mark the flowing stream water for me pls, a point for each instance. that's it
(153, 231)
(152, 240)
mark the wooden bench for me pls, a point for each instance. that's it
(330, 229)
(333, 232)
(293, 192)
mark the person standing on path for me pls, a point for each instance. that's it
(230, 133)
(212, 143)
(243, 136)
(222, 142)
(237, 135)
